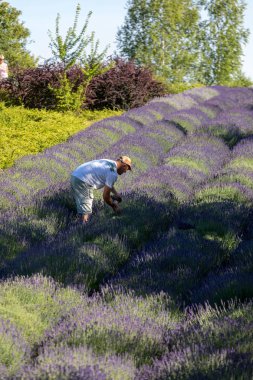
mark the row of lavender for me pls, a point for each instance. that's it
(219, 213)
(75, 257)
(151, 203)
(214, 254)
(34, 173)
(213, 261)
(35, 202)
(32, 179)
(203, 156)
(118, 334)
(51, 211)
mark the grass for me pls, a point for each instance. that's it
(25, 131)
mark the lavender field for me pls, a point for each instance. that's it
(163, 291)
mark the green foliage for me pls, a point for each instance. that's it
(93, 61)
(30, 308)
(213, 230)
(31, 131)
(162, 35)
(70, 51)
(14, 38)
(179, 46)
(188, 162)
(176, 88)
(222, 36)
(66, 98)
(239, 80)
(11, 352)
(221, 193)
(70, 96)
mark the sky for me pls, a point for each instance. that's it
(107, 17)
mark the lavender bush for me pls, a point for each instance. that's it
(198, 346)
(77, 363)
(13, 348)
(162, 291)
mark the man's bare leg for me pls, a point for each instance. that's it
(85, 218)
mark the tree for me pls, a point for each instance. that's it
(72, 51)
(162, 34)
(14, 37)
(172, 38)
(221, 40)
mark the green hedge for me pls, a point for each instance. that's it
(26, 132)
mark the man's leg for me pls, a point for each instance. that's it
(83, 195)
(85, 218)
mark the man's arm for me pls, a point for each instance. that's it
(117, 196)
(107, 198)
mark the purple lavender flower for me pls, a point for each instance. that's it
(14, 349)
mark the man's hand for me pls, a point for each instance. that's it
(116, 208)
(116, 197)
(109, 200)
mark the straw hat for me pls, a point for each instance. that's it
(126, 160)
(1, 56)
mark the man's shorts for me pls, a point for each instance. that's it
(83, 195)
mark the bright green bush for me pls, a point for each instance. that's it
(176, 88)
(240, 81)
(66, 98)
(26, 132)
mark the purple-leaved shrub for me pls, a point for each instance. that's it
(124, 86)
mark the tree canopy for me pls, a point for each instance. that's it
(180, 44)
(161, 34)
(222, 38)
(14, 37)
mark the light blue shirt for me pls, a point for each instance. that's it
(97, 173)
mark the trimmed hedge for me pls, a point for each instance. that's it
(26, 131)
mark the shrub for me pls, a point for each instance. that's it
(124, 86)
(32, 87)
(240, 80)
(29, 87)
(175, 88)
(26, 132)
(66, 97)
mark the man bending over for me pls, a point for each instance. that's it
(95, 175)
